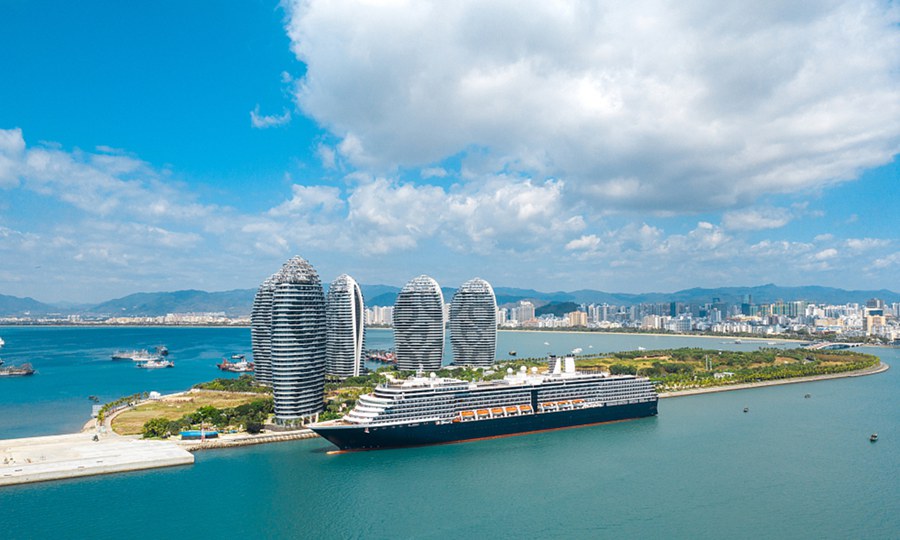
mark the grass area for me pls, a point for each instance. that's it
(131, 422)
(679, 369)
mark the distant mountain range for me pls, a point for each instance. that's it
(239, 301)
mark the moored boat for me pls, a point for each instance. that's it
(433, 410)
(239, 364)
(155, 363)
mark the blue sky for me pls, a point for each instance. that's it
(649, 147)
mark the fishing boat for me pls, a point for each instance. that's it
(17, 371)
(873, 437)
(380, 356)
(136, 355)
(238, 364)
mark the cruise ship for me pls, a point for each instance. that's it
(433, 410)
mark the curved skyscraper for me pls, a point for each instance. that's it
(473, 324)
(345, 326)
(298, 342)
(261, 331)
(419, 325)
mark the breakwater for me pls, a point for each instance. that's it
(38, 459)
(247, 440)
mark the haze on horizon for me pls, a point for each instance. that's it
(654, 146)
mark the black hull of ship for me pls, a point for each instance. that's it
(428, 433)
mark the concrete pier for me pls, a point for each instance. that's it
(37, 459)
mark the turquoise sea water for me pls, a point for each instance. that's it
(789, 468)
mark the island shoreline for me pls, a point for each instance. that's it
(881, 367)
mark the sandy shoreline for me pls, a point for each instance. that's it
(880, 368)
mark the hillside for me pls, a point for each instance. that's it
(238, 302)
(233, 303)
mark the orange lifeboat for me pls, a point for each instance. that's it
(468, 414)
(511, 410)
(496, 410)
(525, 408)
(482, 412)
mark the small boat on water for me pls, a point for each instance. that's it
(162, 350)
(807, 396)
(746, 409)
(512, 353)
(155, 363)
(873, 437)
(238, 364)
(136, 355)
(17, 371)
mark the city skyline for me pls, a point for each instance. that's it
(593, 146)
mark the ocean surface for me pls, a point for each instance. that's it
(789, 468)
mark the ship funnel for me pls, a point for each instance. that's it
(555, 365)
(570, 364)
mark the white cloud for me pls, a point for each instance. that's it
(100, 184)
(108, 220)
(587, 242)
(888, 261)
(326, 156)
(653, 105)
(756, 219)
(12, 148)
(866, 244)
(306, 199)
(434, 172)
(262, 121)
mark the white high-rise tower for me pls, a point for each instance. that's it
(261, 331)
(473, 324)
(419, 325)
(345, 327)
(298, 342)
